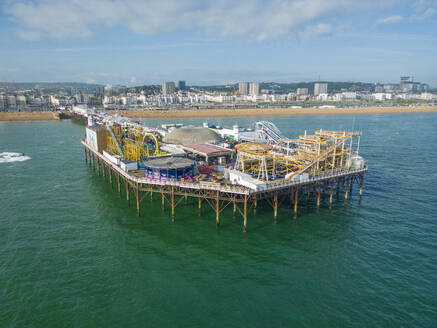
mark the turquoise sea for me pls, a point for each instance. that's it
(72, 254)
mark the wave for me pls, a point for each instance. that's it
(8, 157)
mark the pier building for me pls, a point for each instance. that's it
(263, 166)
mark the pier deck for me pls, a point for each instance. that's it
(218, 197)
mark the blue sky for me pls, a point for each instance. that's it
(137, 42)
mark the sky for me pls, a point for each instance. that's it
(135, 42)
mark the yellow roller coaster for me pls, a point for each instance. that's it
(322, 152)
(132, 143)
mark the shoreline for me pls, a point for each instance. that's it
(211, 113)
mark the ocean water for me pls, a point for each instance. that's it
(72, 254)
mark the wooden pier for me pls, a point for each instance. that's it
(242, 200)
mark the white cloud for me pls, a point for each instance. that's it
(253, 19)
(319, 29)
(426, 14)
(390, 20)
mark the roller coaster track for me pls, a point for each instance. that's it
(116, 142)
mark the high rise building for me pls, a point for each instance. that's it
(302, 91)
(168, 88)
(2, 102)
(181, 85)
(254, 89)
(320, 88)
(243, 88)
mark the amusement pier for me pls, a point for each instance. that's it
(220, 167)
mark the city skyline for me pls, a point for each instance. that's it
(136, 42)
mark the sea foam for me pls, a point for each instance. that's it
(7, 157)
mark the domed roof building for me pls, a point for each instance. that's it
(188, 136)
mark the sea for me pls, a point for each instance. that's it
(72, 254)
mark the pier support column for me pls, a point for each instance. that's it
(296, 199)
(118, 184)
(200, 205)
(361, 187)
(330, 195)
(138, 200)
(94, 162)
(245, 214)
(127, 192)
(255, 205)
(217, 211)
(346, 194)
(103, 170)
(186, 198)
(98, 166)
(275, 209)
(86, 156)
(172, 204)
(110, 177)
(162, 202)
(234, 211)
(151, 194)
(318, 198)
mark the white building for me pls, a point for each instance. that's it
(168, 88)
(320, 88)
(254, 89)
(243, 88)
(302, 91)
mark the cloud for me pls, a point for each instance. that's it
(426, 14)
(252, 19)
(319, 29)
(390, 20)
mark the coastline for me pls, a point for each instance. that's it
(208, 113)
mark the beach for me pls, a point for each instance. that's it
(193, 113)
(27, 116)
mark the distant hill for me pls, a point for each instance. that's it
(49, 85)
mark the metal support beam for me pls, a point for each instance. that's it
(245, 214)
(318, 197)
(118, 185)
(275, 208)
(330, 194)
(172, 204)
(199, 199)
(255, 205)
(346, 190)
(162, 202)
(234, 212)
(138, 200)
(295, 202)
(127, 192)
(217, 211)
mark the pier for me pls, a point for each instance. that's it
(242, 200)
